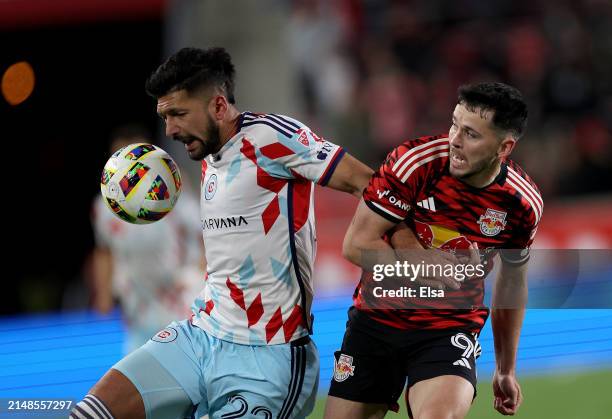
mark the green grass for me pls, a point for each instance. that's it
(577, 396)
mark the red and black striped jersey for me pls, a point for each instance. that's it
(414, 185)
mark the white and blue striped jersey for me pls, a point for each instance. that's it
(257, 213)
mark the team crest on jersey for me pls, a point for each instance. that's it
(303, 138)
(492, 222)
(166, 335)
(210, 188)
(343, 368)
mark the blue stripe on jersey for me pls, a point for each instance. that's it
(268, 123)
(273, 167)
(240, 121)
(289, 121)
(331, 168)
(296, 265)
(293, 123)
(282, 122)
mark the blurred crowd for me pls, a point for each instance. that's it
(373, 73)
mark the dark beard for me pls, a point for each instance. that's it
(485, 165)
(212, 145)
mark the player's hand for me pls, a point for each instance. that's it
(435, 257)
(507, 393)
(409, 248)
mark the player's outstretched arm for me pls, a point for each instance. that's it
(350, 176)
(509, 300)
(365, 234)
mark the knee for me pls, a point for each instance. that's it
(434, 412)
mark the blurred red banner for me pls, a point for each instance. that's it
(28, 13)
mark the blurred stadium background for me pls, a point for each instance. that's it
(366, 74)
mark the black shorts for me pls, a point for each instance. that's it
(376, 361)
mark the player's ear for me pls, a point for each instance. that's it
(505, 147)
(218, 106)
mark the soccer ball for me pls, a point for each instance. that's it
(140, 183)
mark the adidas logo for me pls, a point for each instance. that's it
(428, 204)
(463, 363)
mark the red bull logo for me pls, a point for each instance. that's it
(440, 237)
(492, 222)
(343, 368)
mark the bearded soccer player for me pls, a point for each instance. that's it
(455, 191)
(246, 350)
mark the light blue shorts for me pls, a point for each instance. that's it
(183, 369)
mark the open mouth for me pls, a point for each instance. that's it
(457, 160)
(190, 145)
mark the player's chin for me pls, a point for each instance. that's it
(459, 173)
(197, 155)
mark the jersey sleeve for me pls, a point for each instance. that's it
(387, 194)
(518, 248)
(313, 157)
(285, 148)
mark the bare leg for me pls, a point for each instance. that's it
(119, 395)
(337, 408)
(443, 397)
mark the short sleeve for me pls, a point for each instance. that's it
(314, 158)
(387, 194)
(518, 248)
(286, 148)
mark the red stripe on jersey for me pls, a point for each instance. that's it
(236, 294)
(530, 194)
(292, 323)
(270, 214)
(255, 310)
(264, 179)
(301, 204)
(204, 167)
(275, 151)
(273, 326)
(210, 304)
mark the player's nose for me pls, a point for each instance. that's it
(171, 128)
(454, 139)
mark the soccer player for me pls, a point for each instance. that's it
(246, 350)
(138, 264)
(455, 191)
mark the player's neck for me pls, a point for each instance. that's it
(229, 127)
(485, 177)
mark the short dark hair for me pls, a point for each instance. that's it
(507, 103)
(192, 69)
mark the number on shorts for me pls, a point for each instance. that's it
(244, 408)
